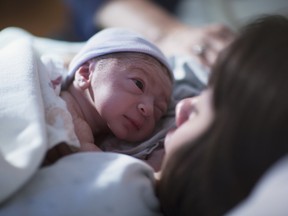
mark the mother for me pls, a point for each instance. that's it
(237, 129)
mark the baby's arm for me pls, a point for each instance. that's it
(85, 135)
(89, 147)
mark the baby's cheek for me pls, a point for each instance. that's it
(151, 126)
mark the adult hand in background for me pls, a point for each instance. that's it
(165, 30)
(201, 43)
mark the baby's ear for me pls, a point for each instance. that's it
(83, 76)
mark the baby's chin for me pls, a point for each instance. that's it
(127, 135)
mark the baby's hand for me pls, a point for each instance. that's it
(201, 43)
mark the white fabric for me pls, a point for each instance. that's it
(42, 73)
(59, 123)
(113, 40)
(270, 195)
(33, 118)
(22, 129)
(98, 184)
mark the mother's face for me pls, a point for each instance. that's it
(193, 116)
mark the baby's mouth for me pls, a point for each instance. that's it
(134, 123)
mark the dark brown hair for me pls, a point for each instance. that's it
(249, 132)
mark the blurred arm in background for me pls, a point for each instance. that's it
(165, 29)
(153, 19)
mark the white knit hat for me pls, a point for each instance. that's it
(113, 40)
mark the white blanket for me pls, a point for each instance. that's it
(33, 117)
(98, 184)
(22, 125)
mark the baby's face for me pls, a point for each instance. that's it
(131, 92)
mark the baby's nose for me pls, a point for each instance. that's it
(145, 109)
(184, 109)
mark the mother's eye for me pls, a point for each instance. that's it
(139, 84)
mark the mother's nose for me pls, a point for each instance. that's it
(184, 109)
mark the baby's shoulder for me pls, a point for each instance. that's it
(81, 127)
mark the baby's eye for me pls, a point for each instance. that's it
(139, 84)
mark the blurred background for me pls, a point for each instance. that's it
(51, 18)
(42, 18)
(233, 13)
